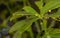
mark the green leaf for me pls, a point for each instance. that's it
(50, 6)
(46, 36)
(46, 1)
(16, 26)
(23, 25)
(57, 35)
(54, 31)
(27, 24)
(40, 4)
(30, 10)
(19, 14)
(55, 15)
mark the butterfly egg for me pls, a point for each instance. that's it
(49, 10)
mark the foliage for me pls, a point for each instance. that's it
(23, 21)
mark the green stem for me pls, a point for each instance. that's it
(44, 24)
(38, 28)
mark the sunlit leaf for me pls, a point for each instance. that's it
(30, 10)
(50, 6)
